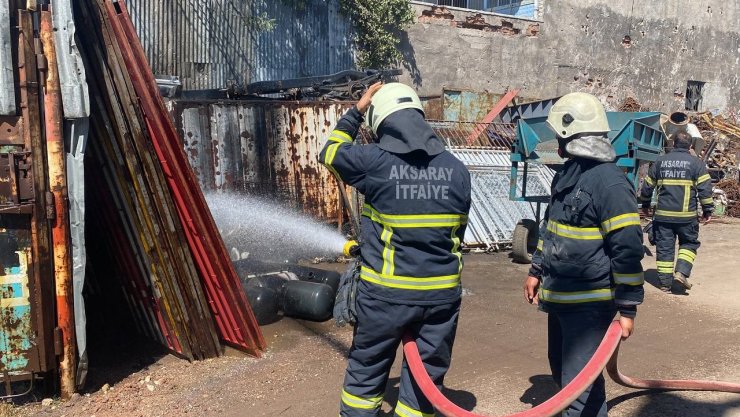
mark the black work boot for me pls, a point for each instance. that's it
(682, 279)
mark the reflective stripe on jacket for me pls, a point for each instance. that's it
(590, 248)
(678, 178)
(413, 220)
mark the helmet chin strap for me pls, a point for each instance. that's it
(562, 151)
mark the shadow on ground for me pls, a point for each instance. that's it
(651, 277)
(542, 389)
(669, 404)
(462, 399)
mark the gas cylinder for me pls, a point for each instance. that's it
(264, 303)
(274, 282)
(321, 276)
(307, 300)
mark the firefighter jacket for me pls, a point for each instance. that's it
(678, 177)
(413, 220)
(590, 248)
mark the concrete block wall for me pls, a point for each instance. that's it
(613, 49)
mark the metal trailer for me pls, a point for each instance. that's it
(637, 139)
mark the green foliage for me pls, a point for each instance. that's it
(378, 24)
(261, 23)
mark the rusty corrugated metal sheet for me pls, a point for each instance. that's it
(264, 148)
(208, 43)
(231, 312)
(145, 249)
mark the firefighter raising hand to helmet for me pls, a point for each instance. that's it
(417, 198)
(587, 264)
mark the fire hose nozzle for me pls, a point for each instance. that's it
(351, 248)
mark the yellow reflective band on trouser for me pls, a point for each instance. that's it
(576, 296)
(708, 200)
(649, 181)
(665, 267)
(618, 222)
(362, 403)
(637, 278)
(540, 245)
(668, 213)
(675, 182)
(687, 255)
(572, 232)
(414, 220)
(339, 136)
(410, 283)
(703, 178)
(404, 410)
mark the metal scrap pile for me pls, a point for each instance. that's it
(731, 191)
(723, 145)
(722, 153)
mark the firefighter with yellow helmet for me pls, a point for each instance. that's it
(417, 198)
(587, 264)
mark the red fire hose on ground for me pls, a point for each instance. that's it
(605, 356)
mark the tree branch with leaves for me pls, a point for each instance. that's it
(378, 24)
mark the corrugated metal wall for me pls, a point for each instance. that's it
(210, 42)
(263, 148)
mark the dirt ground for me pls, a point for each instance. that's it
(499, 362)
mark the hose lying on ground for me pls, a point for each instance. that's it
(605, 356)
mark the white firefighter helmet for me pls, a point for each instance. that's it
(391, 98)
(578, 113)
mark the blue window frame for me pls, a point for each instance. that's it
(518, 8)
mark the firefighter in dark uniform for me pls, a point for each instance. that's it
(679, 178)
(417, 198)
(587, 264)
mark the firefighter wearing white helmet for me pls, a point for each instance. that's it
(586, 268)
(417, 198)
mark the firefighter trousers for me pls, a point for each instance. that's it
(377, 335)
(665, 248)
(572, 339)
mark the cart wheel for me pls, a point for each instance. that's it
(524, 242)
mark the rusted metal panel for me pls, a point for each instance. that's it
(228, 304)
(267, 148)
(26, 298)
(17, 325)
(467, 106)
(144, 241)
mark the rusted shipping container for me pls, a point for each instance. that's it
(263, 148)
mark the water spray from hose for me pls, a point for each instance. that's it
(266, 230)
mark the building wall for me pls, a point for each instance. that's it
(581, 45)
(209, 43)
